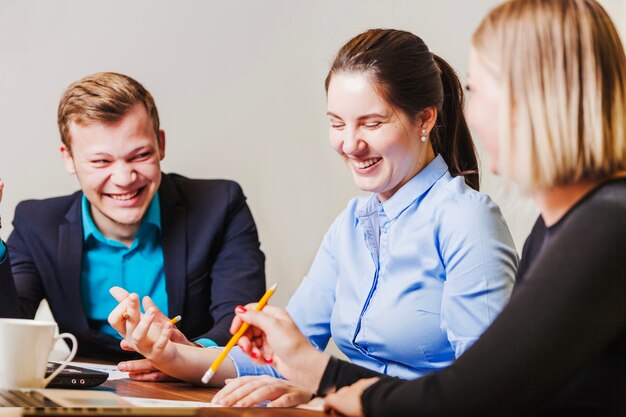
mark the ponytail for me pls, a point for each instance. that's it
(452, 139)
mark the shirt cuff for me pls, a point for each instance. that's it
(3, 251)
(206, 342)
(245, 367)
(340, 373)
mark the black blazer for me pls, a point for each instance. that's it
(210, 248)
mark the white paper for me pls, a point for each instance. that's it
(112, 370)
(154, 402)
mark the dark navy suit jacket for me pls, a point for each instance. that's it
(210, 248)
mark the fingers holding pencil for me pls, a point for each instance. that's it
(273, 337)
(236, 335)
(253, 342)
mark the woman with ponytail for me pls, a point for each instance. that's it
(407, 278)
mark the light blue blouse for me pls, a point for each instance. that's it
(406, 286)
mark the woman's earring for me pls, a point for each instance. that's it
(423, 138)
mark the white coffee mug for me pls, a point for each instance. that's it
(24, 349)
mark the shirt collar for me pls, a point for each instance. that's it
(152, 216)
(408, 193)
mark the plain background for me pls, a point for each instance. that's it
(239, 88)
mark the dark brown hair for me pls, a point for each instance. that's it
(411, 79)
(102, 98)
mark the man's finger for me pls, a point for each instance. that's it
(150, 376)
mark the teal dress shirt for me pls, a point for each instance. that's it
(108, 263)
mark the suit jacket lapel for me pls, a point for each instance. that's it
(70, 255)
(174, 243)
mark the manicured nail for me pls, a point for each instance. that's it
(240, 309)
(268, 359)
(254, 354)
(121, 366)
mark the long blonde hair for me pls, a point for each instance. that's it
(562, 70)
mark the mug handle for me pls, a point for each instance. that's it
(69, 358)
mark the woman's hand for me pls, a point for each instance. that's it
(273, 338)
(145, 334)
(248, 391)
(121, 314)
(347, 401)
(169, 354)
(146, 337)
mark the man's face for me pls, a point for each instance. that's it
(118, 167)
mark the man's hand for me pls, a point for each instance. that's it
(144, 370)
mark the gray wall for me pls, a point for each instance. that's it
(239, 86)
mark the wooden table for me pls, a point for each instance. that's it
(188, 392)
(162, 390)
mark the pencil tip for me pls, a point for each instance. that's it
(273, 287)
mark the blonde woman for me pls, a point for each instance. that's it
(554, 74)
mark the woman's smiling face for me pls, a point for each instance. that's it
(380, 144)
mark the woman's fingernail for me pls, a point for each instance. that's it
(121, 366)
(240, 309)
(268, 359)
(254, 354)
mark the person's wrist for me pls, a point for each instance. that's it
(310, 366)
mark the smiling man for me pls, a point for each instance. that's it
(190, 245)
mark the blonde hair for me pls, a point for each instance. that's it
(562, 70)
(103, 97)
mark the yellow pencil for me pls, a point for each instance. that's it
(173, 320)
(233, 340)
